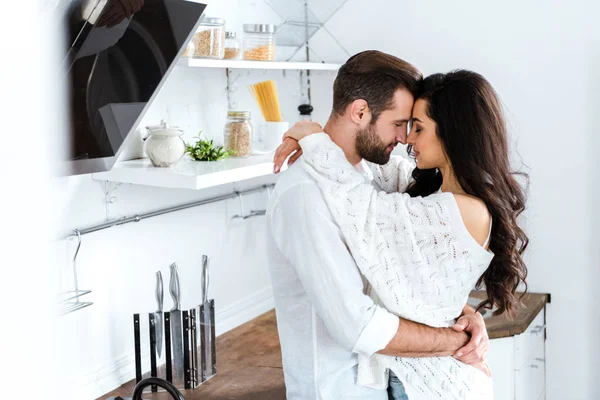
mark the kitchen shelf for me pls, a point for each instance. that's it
(188, 174)
(243, 64)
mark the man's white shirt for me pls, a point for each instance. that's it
(324, 317)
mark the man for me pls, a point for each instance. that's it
(324, 317)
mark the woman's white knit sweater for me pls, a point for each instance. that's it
(418, 257)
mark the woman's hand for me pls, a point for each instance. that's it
(483, 367)
(286, 148)
(302, 129)
(290, 143)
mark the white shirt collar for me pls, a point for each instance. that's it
(364, 169)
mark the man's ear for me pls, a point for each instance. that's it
(360, 111)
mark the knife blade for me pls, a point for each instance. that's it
(159, 313)
(207, 324)
(205, 261)
(176, 325)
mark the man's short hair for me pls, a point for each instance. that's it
(374, 76)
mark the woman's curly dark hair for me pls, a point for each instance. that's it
(471, 128)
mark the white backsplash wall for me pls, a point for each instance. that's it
(195, 99)
(119, 264)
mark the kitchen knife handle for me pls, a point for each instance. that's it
(205, 261)
(174, 287)
(159, 291)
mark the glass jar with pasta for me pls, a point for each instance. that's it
(259, 42)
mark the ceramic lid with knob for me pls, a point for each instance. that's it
(163, 129)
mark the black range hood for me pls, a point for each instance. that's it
(114, 67)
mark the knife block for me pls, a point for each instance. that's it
(196, 365)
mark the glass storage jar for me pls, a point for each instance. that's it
(237, 133)
(163, 144)
(232, 46)
(259, 42)
(209, 39)
(189, 50)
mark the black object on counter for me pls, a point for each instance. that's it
(137, 350)
(139, 389)
(153, 348)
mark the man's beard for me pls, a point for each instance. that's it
(370, 146)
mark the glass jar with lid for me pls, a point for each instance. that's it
(259, 42)
(209, 39)
(163, 144)
(237, 133)
(232, 46)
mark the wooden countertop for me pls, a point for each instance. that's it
(501, 326)
(249, 358)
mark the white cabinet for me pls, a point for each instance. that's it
(518, 363)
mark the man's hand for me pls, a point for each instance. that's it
(475, 351)
(416, 340)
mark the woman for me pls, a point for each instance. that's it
(411, 240)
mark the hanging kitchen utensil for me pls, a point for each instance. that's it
(69, 301)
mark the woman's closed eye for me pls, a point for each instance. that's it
(415, 129)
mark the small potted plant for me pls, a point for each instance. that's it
(206, 150)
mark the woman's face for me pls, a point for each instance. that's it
(427, 147)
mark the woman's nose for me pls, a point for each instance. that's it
(410, 139)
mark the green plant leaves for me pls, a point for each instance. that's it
(206, 150)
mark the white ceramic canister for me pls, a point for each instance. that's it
(164, 145)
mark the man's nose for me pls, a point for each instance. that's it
(402, 138)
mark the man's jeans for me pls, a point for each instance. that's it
(396, 389)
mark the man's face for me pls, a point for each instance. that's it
(376, 141)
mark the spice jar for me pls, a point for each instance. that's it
(209, 39)
(232, 46)
(238, 133)
(259, 42)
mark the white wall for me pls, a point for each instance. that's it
(542, 60)
(592, 101)
(28, 110)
